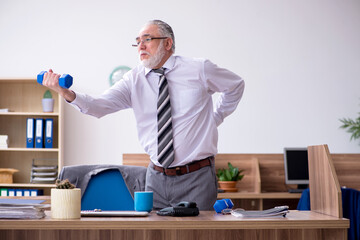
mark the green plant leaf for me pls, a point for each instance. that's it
(228, 175)
(47, 94)
(222, 178)
(220, 173)
(234, 174)
(351, 126)
(240, 176)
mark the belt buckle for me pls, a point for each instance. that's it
(178, 170)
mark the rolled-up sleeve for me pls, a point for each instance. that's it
(114, 99)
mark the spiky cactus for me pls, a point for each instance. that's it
(65, 184)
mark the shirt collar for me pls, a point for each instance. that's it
(169, 64)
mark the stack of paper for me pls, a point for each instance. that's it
(276, 211)
(3, 141)
(20, 209)
(41, 173)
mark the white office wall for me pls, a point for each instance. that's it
(300, 61)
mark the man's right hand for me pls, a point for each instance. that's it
(51, 80)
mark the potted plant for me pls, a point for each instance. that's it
(353, 127)
(65, 200)
(227, 178)
(48, 102)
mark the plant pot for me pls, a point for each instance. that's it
(65, 203)
(228, 186)
(48, 104)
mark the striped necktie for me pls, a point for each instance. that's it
(165, 134)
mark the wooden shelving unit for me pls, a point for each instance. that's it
(23, 99)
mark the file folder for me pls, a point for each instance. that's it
(19, 193)
(11, 192)
(3, 192)
(39, 133)
(36, 192)
(26, 192)
(49, 133)
(30, 132)
(33, 192)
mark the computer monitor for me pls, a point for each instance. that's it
(296, 168)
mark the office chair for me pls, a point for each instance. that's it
(107, 191)
(106, 187)
(351, 209)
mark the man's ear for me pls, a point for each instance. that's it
(168, 43)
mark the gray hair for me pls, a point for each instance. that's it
(164, 30)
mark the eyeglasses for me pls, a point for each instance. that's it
(145, 40)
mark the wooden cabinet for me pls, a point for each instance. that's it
(22, 97)
(263, 185)
(251, 195)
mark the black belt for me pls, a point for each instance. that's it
(188, 168)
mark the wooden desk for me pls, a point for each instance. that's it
(260, 201)
(296, 225)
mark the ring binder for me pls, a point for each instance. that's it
(49, 133)
(30, 132)
(39, 133)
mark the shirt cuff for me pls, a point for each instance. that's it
(79, 102)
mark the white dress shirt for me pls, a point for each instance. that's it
(194, 119)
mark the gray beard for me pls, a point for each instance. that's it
(154, 60)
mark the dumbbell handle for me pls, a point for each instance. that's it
(65, 81)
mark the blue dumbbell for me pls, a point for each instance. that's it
(65, 81)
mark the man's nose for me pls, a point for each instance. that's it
(142, 45)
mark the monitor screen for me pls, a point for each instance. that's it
(296, 166)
